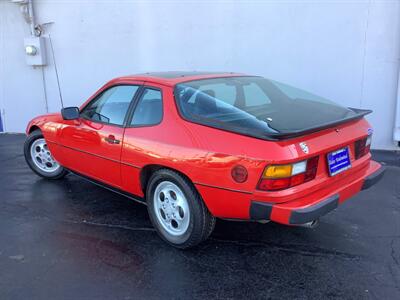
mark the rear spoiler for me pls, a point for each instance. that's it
(359, 113)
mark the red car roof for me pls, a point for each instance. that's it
(173, 78)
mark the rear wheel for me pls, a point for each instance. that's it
(39, 158)
(177, 211)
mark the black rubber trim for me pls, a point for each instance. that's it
(260, 211)
(373, 178)
(301, 216)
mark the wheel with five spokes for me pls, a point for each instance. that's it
(39, 158)
(176, 210)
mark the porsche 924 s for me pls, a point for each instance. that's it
(199, 146)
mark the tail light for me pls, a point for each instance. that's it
(362, 147)
(279, 177)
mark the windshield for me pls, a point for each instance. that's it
(255, 106)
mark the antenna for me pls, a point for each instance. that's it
(55, 68)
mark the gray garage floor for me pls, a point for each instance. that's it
(70, 239)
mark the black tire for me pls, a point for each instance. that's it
(31, 138)
(201, 222)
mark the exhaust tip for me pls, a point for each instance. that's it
(311, 224)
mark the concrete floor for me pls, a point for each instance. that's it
(70, 239)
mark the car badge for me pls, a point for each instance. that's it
(337, 130)
(304, 147)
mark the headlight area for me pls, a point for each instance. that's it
(280, 177)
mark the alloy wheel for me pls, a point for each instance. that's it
(171, 208)
(42, 157)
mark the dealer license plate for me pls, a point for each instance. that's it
(338, 161)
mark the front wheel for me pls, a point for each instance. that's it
(39, 158)
(177, 211)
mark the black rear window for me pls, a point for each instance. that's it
(256, 106)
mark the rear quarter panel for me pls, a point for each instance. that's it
(225, 150)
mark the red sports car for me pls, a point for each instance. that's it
(199, 146)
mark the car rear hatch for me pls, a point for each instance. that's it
(342, 150)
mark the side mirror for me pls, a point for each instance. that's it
(70, 113)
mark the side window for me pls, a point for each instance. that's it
(111, 106)
(149, 109)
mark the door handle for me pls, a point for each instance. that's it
(111, 140)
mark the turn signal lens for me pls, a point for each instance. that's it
(282, 171)
(278, 171)
(279, 177)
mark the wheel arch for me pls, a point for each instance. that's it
(205, 223)
(32, 128)
(148, 170)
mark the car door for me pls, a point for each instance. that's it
(142, 138)
(92, 145)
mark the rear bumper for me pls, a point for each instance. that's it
(373, 178)
(292, 213)
(262, 211)
(304, 215)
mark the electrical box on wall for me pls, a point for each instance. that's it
(35, 51)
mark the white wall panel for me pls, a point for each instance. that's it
(347, 51)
